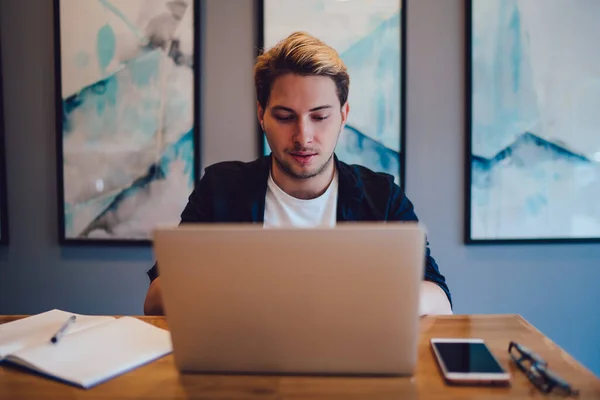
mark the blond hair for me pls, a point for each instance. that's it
(302, 54)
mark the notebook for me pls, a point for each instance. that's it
(91, 350)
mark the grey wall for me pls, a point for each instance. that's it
(553, 286)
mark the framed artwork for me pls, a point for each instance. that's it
(370, 37)
(128, 85)
(533, 121)
(3, 199)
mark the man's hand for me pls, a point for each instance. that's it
(153, 303)
(433, 300)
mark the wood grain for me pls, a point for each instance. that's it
(160, 379)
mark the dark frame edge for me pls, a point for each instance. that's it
(259, 41)
(468, 126)
(403, 90)
(59, 126)
(198, 84)
(526, 241)
(4, 222)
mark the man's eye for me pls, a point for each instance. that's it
(282, 118)
(320, 117)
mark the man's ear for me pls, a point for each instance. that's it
(260, 113)
(345, 112)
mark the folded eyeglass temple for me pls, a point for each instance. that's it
(539, 367)
(527, 352)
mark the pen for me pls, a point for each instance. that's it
(62, 329)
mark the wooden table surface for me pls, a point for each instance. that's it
(160, 379)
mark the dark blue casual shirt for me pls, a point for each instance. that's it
(235, 191)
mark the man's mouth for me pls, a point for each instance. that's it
(303, 157)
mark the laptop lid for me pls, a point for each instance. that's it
(244, 299)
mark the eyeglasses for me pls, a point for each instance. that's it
(536, 369)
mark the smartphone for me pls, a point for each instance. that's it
(468, 362)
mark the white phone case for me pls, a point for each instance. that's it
(476, 378)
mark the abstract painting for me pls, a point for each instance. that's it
(533, 121)
(128, 139)
(3, 199)
(369, 37)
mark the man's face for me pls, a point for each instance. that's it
(302, 122)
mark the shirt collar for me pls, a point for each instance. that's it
(349, 199)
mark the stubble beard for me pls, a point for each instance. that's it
(287, 169)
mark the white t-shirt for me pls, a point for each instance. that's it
(283, 210)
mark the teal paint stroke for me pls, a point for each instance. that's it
(106, 44)
(112, 8)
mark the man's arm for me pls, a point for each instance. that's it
(433, 300)
(435, 294)
(198, 209)
(153, 304)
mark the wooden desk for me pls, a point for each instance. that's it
(160, 380)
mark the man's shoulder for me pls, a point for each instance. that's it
(374, 194)
(367, 177)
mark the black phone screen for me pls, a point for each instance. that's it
(467, 357)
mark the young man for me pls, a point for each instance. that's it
(302, 91)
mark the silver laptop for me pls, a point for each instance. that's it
(244, 299)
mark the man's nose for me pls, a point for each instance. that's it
(304, 132)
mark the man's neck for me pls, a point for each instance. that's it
(304, 189)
